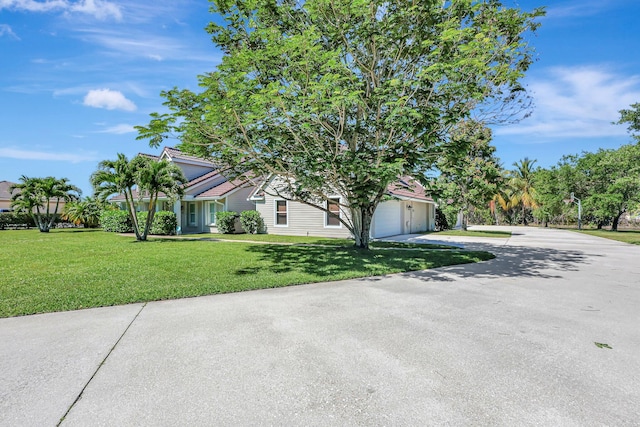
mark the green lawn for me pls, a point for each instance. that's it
(627, 236)
(476, 233)
(311, 240)
(72, 269)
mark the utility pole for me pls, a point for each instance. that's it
(574, 199)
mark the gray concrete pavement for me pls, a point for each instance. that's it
(505, 342)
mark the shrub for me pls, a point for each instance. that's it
(252, 222)
(15, 219)
(441, 220)
(226, 222)
(116, 221)
(164, 223)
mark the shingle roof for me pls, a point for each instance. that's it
(5, 194)
(222, 189)
(175, 153)
(410, 188)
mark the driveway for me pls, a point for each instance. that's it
(548, 333)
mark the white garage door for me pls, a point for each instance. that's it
(387, 219)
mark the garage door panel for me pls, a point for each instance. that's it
(387, 219)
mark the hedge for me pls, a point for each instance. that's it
(15, 220)
(115, 221)
(226, 222)
(252, 222)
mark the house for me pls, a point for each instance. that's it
(406, 210)
(207, 192)
(6, 194)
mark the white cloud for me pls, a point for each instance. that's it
(119, 129)
(6, 30)
(14, 153)
(109, 99)
(100, 9)
(577, 102)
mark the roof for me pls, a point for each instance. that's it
(222, 189)
(176, 154)
(5, 194)
(408, 188)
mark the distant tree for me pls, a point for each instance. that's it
(507, 199)
(522, 183)
(146, 176)
(469, 176)
(346, 96)
(36, 195)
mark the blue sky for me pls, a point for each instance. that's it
(77, 75)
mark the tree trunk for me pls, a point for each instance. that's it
(616, 220)
(361, 219)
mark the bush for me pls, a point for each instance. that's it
(252, 222)
(116, 221)
(164, 223)
(226, 222)
(441, 220)
(15, 219)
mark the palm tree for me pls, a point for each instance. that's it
(522, 182)
(155, 177)
(117, 177)
(150, 177)
(86, 212)
(36, 195)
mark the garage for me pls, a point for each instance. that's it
(387, 219)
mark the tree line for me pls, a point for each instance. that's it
(605, 183)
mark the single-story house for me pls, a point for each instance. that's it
(5, 199)
(5, 195)
(207, 192)
(406, 210)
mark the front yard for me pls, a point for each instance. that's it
(74, 269)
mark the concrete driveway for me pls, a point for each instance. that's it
(509, 342)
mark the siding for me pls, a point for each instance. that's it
(193, 171)
(238, 202)
(303, 220)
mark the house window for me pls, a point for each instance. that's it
(281, 212)
(333, 214)
(192, 214)
(214, 208)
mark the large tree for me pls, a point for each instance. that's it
(345, 96)
(137, 178)
(468, 175)
(36, 196)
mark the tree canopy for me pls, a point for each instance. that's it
(346, 96)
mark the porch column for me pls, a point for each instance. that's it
(176, 210)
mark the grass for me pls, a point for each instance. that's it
(476, 233)
(311, 240)
(626, 236)
(68, 269)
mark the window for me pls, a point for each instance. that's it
(281, 212)
(214, 208)
(333, 216)
(192, 214)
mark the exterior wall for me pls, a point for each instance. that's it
(193, 171)
(238, 201)
(303, 220)
(5, 204)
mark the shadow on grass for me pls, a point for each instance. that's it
(510, 262)
(352, 262)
